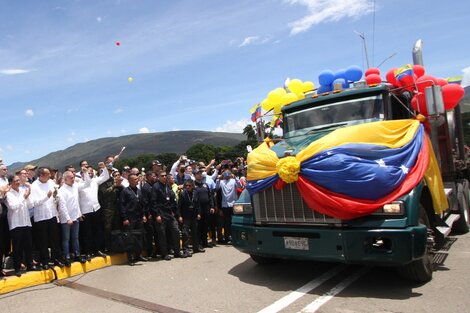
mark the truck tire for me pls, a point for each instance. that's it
(262, 260)
(461, 226)
(421, 270)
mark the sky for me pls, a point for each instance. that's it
(73, 71)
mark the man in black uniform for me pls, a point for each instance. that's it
(165, 210)
(132, 214)
(149, 226)
(204, 197)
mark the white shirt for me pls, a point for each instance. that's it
(69, 208)
(88, 193)
(18, 208)
(48, 209)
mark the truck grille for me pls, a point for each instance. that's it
(286, 206)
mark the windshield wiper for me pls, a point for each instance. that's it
(326, 128)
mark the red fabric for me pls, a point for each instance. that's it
(344, 207)
(279, 184)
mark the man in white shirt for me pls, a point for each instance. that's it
(92, 226)
(69, 213)
(45, 225)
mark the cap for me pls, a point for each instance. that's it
(30, 167)
(156, 162)
(200, 170)
(126, 169)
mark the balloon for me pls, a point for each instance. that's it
(344, 84)
(295, 85)
(266, 105)
(373, 79)
(118, 43)
(408, 81)
(300, 95)
(130, 79)
(275, 96)
(452, 94)
(391, 78)
(418, 70)
(288, 98)
(307, 86)
(277, 108)
(326, 77)
(372, 70)
(442, 81)
(425, 81)
(340, 74)
(421, 98)
(353, 73)
(324, 88)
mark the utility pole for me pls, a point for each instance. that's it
(365, 45)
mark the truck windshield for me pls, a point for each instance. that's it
(334, 115)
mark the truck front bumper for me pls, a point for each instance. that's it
(392, 247)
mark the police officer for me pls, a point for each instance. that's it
(205, 199)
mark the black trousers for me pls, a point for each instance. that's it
(226, 224)
(171, 225)
(21, 238)
(190, 231)
(47, 233)
(4, 237)
(203, 224)
(92, 232)
(150, 236)
(136, 230)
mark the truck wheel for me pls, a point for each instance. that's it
(461, 226)
(262, 260)
(421, 270)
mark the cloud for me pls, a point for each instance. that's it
(144, 130)
(118, 110)
(323, 11)
(29, 113)
(233, 126)
(253, 40)
(123, 131)
(466, 76)
(14, 71)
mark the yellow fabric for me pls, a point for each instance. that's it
(261, 162)
(433, 179)
(288, 169)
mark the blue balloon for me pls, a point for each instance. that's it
(340, 74)
(341, 81)
(324, 88)
(326, 77)
(353, 73)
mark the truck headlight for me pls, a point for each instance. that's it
(393, 208)
(242, 208)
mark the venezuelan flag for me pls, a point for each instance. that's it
(455, 80)
(255, 112)
(353, 171)
(404, 71)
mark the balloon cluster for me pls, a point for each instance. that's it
(279, 97)
(328, 79)
(416, 81)
(373, 76)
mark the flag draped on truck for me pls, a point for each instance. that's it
(354, 170)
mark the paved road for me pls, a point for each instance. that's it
(225, 280)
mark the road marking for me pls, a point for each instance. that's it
(295, 295)
(138, 303)
(315, 305)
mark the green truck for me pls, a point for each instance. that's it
(287, 221)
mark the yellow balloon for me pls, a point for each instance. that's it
(300, 95)
(295, 85)
(289, 98)
(274, 96)
(277, 108)
(266, 105)
(130, 79)
(282, 91)
(308, 86)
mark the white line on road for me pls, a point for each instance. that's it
(315, 305)
(293, 296)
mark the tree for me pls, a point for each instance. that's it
(201, 152)
(249, 132)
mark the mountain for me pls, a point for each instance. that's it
(95, 151)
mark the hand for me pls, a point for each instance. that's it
(159, 219)
(69, 222)
(180, 219)
(81, 218)
(150, 217)
(212, 211)
(144, 219)
(198, 217)
(126, 223)
(49, 193)
(212, 162)
(27, 193)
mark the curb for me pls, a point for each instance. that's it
(30, 279)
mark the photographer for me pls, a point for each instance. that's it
(181, 171)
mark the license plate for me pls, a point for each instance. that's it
(296, 243)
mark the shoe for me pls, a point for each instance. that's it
(131, 263)
(67, 262)
(141, 258)
(80, 259)
(180, 255)
(59, 264)
(101, 254)
(88, 257)
(18, 273)
(45, 266)
(187, 254)
(199, 249)
(168, 257)
(33, 267)
(208, 245)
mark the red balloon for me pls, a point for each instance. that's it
(418, 70)
(373, 79)
(441, 81)
(118, 43)
(391, 78)
(421, 98)
(408, 82)
(452, 94)
(425, 81)
(372, 70)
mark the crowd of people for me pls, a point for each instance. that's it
(53, 218)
